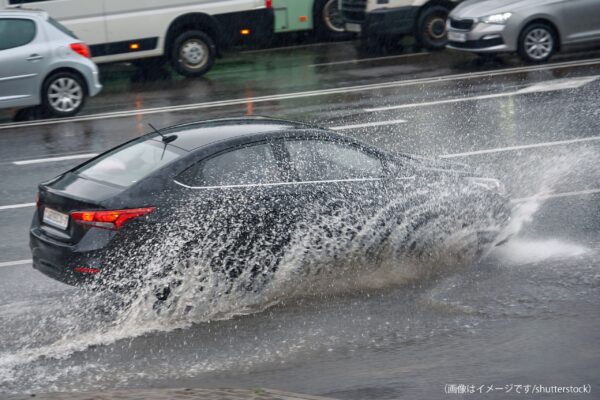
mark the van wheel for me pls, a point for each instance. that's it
(63, 94)
(193, 54)
(431, 28)
(537, 43)
(328, 20)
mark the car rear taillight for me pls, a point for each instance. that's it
(38, 202)
(269, 3)
(81, 48)
(109, 219)
(86, 270)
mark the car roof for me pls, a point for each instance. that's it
(23, 12)
(193, 135)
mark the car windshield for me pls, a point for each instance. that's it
(129, 164)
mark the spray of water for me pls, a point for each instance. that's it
(221, 258)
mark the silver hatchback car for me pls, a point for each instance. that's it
(43, 63)
(533, 28)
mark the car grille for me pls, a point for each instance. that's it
(462, 24)
(354, 10)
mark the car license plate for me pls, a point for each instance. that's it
(55, 218)
(457, 37)
(353, 28)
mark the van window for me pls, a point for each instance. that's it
(15, 32)
(130, 163)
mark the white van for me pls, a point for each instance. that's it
(188, 33)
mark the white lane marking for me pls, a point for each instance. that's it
(298, 95)
(15, 263)
(525, 146)
(380, 123)
(362, 60)
(54, 159)
(546, 86)
(556, 195)
(300, 46)
(13, 206)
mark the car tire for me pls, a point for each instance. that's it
(537, 43)
(328, 22)
(431, 28)
(63, 94)
(193, 53)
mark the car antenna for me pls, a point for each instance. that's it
(165, 139)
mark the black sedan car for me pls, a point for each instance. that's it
(237, 197)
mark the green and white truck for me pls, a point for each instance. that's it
(322, 16)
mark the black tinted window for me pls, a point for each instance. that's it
(130, 163)
(15, 32)
(315, 160)
(243, 166)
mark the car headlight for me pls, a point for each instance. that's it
(491, 184)
(498, 19)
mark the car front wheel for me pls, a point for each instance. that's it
(193, 54)
(63, 94)
(537, 43)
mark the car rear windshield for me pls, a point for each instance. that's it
(128, 164)
(61, 28)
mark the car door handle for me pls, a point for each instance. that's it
(34, 57)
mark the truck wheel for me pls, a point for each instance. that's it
(193, 53)
(431, 28)
(63, 94)
(328, 21)
(537, 43)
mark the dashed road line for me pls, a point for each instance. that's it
(15, 263)
(368, 124)
(547, 86)
(13, 206)
(363, 60)
(521, 147)
(55, 159)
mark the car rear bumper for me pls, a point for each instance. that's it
(60, 260)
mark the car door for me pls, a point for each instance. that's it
(235, 206)
(339, 188)
(582, 20)
(23, 52)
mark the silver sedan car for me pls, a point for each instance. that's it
(43, 63)
(535, 29)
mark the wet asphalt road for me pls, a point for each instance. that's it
(527, 314)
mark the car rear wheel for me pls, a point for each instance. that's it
(193, 54)
(328, 20)
(63, 94)
(431, 28)
(537, 43)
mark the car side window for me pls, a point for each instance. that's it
(15, 32)
(317, 160)
(249, 165)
